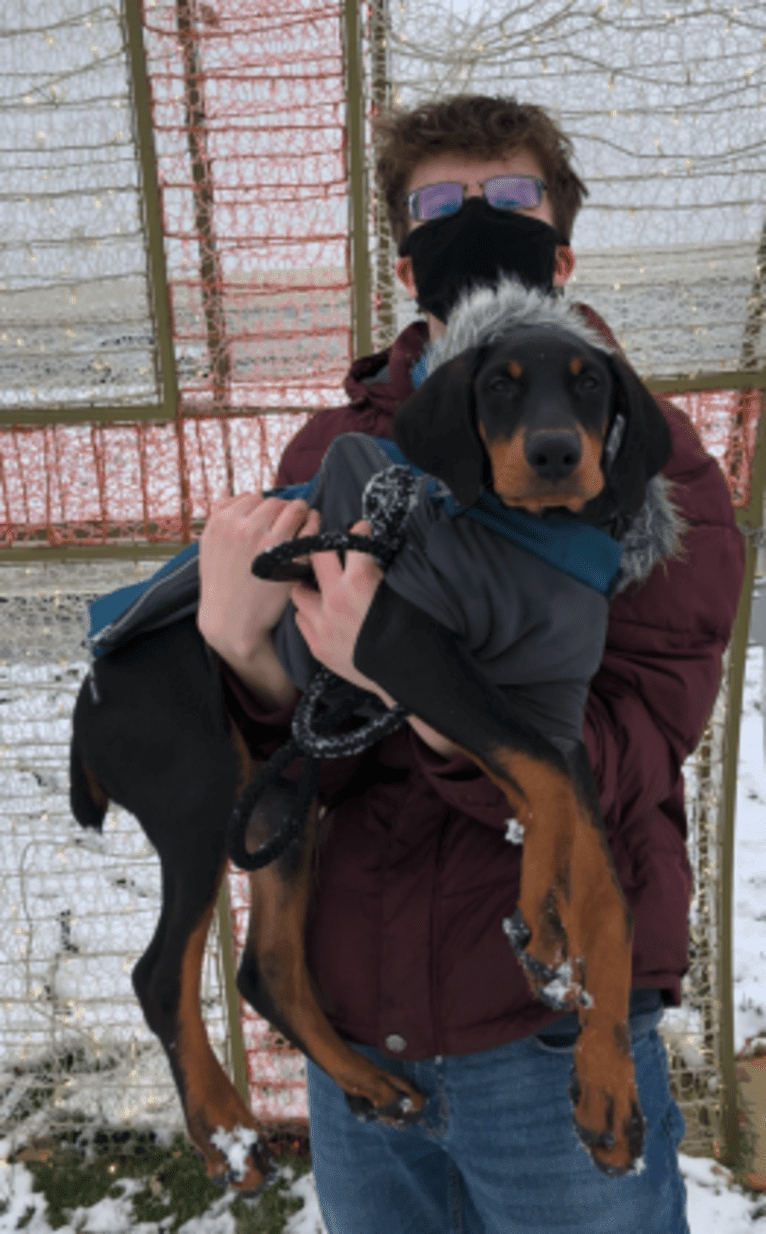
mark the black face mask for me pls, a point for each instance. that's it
(476, 246)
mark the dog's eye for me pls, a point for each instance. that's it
(500, 383)
(587, 382)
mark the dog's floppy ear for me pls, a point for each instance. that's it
(434, 428)
(646, 443)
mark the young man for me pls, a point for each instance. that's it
(413, 871)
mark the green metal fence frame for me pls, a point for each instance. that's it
(750, 522)
(149, 203)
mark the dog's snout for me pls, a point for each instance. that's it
(553, 455)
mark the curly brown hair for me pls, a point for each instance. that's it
(483, 127)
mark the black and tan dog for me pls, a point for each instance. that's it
(549, 422)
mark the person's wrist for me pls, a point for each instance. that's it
(259, 668)
(241, 644)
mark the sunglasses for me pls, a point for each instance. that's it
(503, 192)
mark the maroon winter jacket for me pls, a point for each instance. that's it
(413, 872)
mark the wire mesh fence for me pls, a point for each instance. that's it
(129, 404)
(244, 134)
(665, 108)
(692, 1033)
(81, 907)
(75, 315)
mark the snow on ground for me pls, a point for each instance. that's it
(308, 1220)
(113, 1216)
(713, 1207)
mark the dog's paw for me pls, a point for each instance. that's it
(246, 1167)
(401, 1112)
(608, 1121)
(559, 985)
(518, 932)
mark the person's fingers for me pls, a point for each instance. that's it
(310, 528)
(327, 568)
(361, 563)
(244, 502)
(307, 602)
(277, 520)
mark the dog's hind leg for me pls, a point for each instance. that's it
(154, 741)
(167, 983)
(274, 979)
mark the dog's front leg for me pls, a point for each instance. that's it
(599, 926)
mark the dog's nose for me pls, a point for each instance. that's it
(553, 455)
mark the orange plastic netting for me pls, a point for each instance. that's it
(727, 422)
(248, 113)
(247, 106)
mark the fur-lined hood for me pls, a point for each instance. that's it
(485, 315)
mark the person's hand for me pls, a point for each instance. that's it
(330, 619)
(238, 611)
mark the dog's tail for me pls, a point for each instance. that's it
(87, 798)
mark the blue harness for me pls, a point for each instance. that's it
(576, 549)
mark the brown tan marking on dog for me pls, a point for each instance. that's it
(275, 981)
(573, 905)
(210, 1101)
(517, 485)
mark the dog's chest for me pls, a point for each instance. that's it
(532, 628)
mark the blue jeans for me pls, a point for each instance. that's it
(495, 1152)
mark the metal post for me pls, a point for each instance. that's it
(163, 313)
(749, 521)
(380, 97)
(158, 281)
(358, 212)
(211, 271)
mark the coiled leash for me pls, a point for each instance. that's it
(328, 701)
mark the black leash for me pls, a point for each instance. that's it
(328, 701)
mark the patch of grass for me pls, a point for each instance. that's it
(269, 1212)
(177, 1185)
(76, 1170)
(177, 1188)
